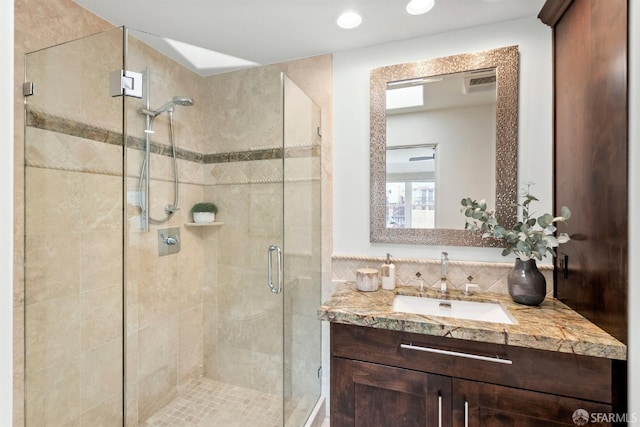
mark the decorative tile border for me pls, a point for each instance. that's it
(45, 121)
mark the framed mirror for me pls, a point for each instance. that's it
(441, 130)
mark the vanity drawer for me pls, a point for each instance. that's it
(558, 373)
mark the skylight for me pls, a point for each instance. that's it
(203, 59)
(405, 97)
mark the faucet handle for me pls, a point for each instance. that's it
(469, 286)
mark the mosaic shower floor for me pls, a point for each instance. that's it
(209, 403)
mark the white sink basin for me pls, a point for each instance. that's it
(468, 310)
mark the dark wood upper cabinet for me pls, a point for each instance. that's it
(590, 156)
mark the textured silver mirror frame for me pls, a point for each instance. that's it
(506, 62)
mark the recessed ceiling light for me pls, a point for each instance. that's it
(419, 7)
(349, 20)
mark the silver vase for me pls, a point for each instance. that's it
(526, 284)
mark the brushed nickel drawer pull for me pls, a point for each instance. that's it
(466, 414)
(456, 353)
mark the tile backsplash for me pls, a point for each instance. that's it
(490, 277)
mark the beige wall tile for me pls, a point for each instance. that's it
(157, 299)
(248, 108)
(101, 316)
(45, 280)
(54, 395)
(234, 365)
(267, 380)
(100, 259)
(100, 203)
(52, 332)
(47, 149)
(190, 345)
(156, 390)
(131, 415)
(131, 306)
(101, 373)
(157, 348)
(106, 413)
(52, 200)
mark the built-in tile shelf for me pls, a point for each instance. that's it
(203, 224)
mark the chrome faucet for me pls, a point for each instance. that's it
(444, 262)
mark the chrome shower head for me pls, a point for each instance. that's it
(182, 100)
(176, 100)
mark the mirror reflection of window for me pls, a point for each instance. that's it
(411, 186)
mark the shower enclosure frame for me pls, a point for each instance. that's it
(47, 121)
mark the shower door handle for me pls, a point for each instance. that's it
(276, 289)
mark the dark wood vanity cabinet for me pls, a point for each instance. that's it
(382, 378)
(370, 394)
(494, 405)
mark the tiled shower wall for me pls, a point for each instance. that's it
(165, 312)
(164, 297)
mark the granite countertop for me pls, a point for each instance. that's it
(550, 326)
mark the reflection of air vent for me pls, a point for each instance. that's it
(479, 81)
(482, 81)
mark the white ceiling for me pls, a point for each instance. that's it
(270, 31)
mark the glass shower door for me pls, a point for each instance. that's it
(73, 235)
(302, 253)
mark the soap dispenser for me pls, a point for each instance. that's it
(388, 274)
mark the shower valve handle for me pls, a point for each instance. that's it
(169, 240)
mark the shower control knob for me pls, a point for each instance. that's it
(170, 240)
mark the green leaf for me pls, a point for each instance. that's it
(551, 241)
(524, 238)
(545, 220)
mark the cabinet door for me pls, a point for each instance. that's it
(478, 404)
(371, 395)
